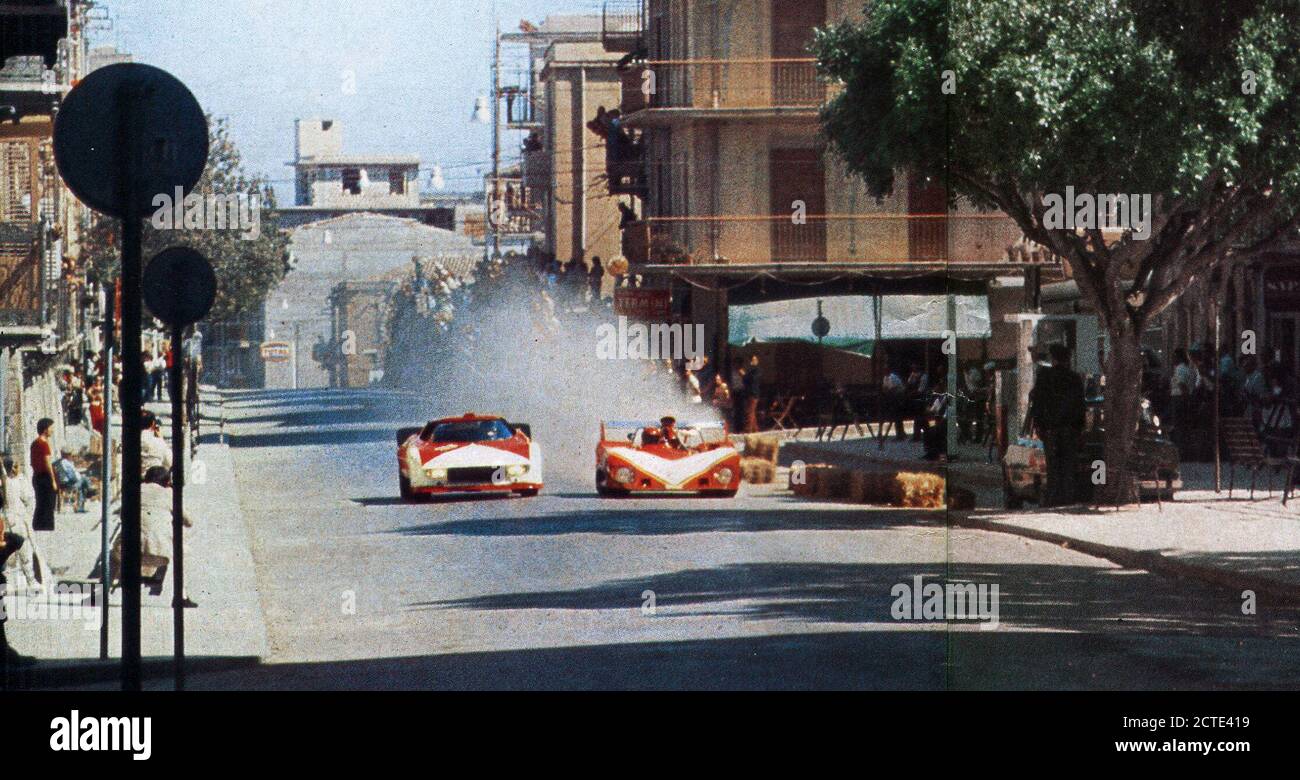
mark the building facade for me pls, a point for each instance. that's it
(299, 318)
(47, 306)
(739, 202)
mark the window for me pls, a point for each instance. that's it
(352, 180)
(396, 181)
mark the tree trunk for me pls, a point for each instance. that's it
(1123, 398)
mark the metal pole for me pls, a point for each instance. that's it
(950, 411)
(106, 477)
(178, 510)
(1218, 384)
(132, 400)
(490, 240)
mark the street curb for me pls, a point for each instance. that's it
(70, 674)
(1147, 560)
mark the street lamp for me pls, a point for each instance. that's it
(481, 115)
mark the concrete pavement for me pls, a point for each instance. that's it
(228, 627)
(1238, 542)
(568, 590)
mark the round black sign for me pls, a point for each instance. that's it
(130, 131)
(821, 326)
(179, 286)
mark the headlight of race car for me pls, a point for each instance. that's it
(518, 469)
(436, 473)
(724, 475)
(624, 475)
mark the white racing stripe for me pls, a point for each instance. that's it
(673, 473)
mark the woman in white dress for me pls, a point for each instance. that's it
(27, 568)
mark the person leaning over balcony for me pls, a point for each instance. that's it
(42, 460)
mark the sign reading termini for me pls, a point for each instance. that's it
(638, 304)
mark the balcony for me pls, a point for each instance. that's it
(622, 24)
(512, 207)
(841, 239)
(730, 88)
(518, 106)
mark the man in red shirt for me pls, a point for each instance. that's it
(43, 477)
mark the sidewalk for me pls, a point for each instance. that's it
(1236, 543)
(227, 627)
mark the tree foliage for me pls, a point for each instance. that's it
(1194, 102)
(246, 269)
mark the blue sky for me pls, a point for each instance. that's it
(417, 66)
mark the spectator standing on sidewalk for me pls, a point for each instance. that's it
(17, 502)
(1057, 410)
(154, 449)
(42, 460)
(753, 388)
(595, 279)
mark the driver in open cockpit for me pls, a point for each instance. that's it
(669, 427)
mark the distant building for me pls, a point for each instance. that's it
(330, 183)
(299, 328)
(560, 190)
(359, 318)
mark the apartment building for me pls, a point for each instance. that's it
(46, 306)
(740, 204)
(560, 77)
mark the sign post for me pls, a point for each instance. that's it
(179, 287)
(125, 134)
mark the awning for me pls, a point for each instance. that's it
(852, 322)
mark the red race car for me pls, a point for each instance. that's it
(472, 453)
(637, 457)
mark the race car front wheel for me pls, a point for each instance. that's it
(404, 487)
(602, 487)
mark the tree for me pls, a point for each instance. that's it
(247, 267)
(1194, 103)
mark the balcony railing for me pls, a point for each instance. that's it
(734, 84)
(836, 238)
(513, 208)
(622, 23)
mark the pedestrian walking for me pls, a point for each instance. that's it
(1057, 411)
(43, 484)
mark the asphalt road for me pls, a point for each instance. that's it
(765, 591)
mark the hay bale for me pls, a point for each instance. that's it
(960, 498)
(757, 471)
(921, 490)
(764, 446)
(833, 483)
(811, 476)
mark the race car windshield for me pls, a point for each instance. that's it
(476, 430)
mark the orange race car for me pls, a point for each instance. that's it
(639, 457)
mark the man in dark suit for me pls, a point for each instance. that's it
(1056, 408)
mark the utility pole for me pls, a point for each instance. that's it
(490, 236)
